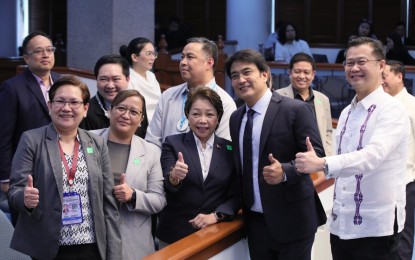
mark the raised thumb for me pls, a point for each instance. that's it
(271, 158)
(30, 181)
(180, 157)
(122, 178)
(310, 147)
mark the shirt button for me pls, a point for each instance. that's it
(343, 205)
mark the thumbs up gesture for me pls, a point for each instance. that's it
(273, 173)
(30, 194)
(123, 191)
(179, 171)
(308, 162)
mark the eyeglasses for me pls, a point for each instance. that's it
(40, 51)
(359, 62)
(72, 103)
(149, 53)
(121, 110)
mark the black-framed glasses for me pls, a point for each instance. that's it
(359, 62)
(134, 113)
(40, 51)
(74, 104)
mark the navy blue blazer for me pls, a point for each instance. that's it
(193, 196)
(292, 209)
(22, 107)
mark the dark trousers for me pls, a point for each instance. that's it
(407, 239)
(368, 248)
(262, 245)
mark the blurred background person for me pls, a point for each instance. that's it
(396, 51)
(62, 164)
(365, 29)
(199, 174)
(393, 76)
(141, 54)
(400, 28)
(290, 44)
(137, 174)
(340, 56)
(113, 75)
(271, 43)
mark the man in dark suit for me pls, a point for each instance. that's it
(23, 98)
(281, 208)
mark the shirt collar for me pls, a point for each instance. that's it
(209, 142)
(310, 93)
(370, 99)
(211, 84)
(261, 105)
(40, 81)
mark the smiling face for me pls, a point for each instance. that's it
(125, 123)
(111, 80)
(203, 119)
(66, 118)
(196, 67)
(364, 78)
(248, 82)
(302, 75)
(143, 61)
(42, 62)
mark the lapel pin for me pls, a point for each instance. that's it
(218, 146)
(136, 161)
(90, 150)
(229, 147)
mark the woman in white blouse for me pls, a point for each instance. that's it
(141, 55)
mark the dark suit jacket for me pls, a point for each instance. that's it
(96, 118)
(193, 195)
(22, 107)
(292, 209)
(37, 233)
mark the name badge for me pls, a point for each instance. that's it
(71, 209)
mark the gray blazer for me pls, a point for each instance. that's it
(37, 233)
(323, 116)
(145, 176)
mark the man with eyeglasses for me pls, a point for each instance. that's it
(23, 98)
(369, 169)
(113, 74)
(197, 67)
(393, 83)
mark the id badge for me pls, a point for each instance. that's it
(71, 209)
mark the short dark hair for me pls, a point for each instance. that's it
(302, 56)
(282, 36)
(135, 46)
(377, 46)
(396, 67)
(126, 93)
(203, 92)
(73, 81)
(30, 37)
(208, 46)
(248, 56)
(112, 59)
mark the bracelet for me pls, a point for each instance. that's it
(173, 181)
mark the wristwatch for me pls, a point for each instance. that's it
(326, 168)
(133, 197)
(219, 216)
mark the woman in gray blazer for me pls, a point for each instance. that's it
(137, 174)
(61, 184)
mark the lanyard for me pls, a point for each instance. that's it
(70, 173)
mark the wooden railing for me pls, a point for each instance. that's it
(213, 239)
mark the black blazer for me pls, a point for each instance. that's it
(22, 107)
(193, 196)
(292, 209)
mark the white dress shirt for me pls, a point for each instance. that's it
(149, 87)
(205, 154)
(169, 112)
(260, 109)
(381, 162)
(288, 50)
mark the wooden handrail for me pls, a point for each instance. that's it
(213, 239)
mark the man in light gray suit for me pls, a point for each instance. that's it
(302, 72)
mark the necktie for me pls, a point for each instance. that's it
(248, 186)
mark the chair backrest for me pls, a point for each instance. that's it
(6, 233)
(339, 92)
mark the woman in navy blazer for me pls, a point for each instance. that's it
(61, 164)
(199, 173)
